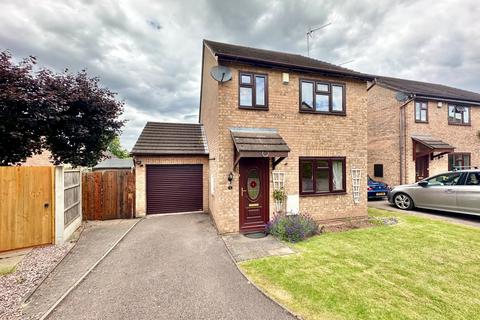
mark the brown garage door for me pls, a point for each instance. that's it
(174, 188)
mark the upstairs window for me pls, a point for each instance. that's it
(253, 91)
(421, 111)
(459, 115)
(322, 97)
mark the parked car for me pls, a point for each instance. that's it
(456, 191)
(377, 189)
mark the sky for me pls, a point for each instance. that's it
(149, 52)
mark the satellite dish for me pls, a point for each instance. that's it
(221, 73)
(401, 96)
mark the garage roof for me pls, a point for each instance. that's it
(165, 138)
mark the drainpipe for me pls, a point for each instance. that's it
(403, 141)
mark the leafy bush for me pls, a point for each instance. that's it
(292, 228)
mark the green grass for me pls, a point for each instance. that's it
(417, 269)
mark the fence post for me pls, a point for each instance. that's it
(59, 205)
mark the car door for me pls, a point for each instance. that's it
(468, 194)
(440, 192)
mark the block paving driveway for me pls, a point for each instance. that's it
(168, 267)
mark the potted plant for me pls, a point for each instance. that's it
(279, 196)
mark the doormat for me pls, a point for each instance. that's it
(255, 235)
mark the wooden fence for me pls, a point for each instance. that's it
(26, 207)
(108, 194)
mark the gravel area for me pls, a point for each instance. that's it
(30, 271)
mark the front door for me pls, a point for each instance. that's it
(421, 168)
(254, 194)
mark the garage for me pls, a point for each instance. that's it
(174, 188)
(171, 169)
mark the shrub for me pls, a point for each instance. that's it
(292, 228)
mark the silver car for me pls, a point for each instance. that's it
(457, 191)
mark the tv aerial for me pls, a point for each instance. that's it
(309, 35)
(221, 73)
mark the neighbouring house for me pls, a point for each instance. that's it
(418, 129)
(114, 163)
(41, 159)
(272, 120)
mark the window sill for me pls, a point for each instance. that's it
(460, 124)
(323, 194)
(424, 122)
(342, 114)
(254, 108)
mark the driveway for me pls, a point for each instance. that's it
(168, 267)
(470, 220)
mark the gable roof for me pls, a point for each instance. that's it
(164, 138)
(280, 59)
(428, 90)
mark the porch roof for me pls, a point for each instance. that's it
(258, 142)
(432, 143)
(431, 146)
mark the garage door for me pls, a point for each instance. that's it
(174, 188)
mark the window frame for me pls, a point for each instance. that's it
(326, 93)
(415, 111)
(253, 86)
(330, 175)
(469, 123)
(460, 154)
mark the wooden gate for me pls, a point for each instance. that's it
(108, 194)
(26, 207)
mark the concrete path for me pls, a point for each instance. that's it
(95, 240)
(470, 220)
(168, 267)
(243, 248)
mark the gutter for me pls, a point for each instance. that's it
(446, 99)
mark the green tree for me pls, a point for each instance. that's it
(70, 115)
(117, 150)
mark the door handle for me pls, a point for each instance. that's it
(449, 191)
(243, 191)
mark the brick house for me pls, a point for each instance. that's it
(418, 129)
(273, 120)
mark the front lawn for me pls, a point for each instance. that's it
(417, 269)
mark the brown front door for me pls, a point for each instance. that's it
(254, 194)
(421, 168)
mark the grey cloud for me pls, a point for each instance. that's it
(149, 51)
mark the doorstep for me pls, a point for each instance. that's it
(242, 248)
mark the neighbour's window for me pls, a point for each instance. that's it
(322, 97)
(447, 179)
(421, 111)
(458, 115)
(253, 91)
(473, 179)
(458, 161)
(322, 175)
(378, 170)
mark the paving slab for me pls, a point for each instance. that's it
(168, 267)
(10, 259)
(96, 238)
(243, 248)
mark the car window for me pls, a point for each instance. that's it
(447, 179)
(473, 179)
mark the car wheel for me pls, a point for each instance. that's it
(403, 201)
